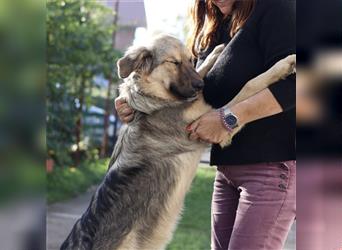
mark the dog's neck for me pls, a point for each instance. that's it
(140, 101)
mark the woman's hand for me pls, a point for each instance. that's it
(125, 112)
(208, 128)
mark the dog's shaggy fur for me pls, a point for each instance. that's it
(139, 202)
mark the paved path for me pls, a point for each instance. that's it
(62, 216)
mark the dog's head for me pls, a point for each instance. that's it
(164, 68)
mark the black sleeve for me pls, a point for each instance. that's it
(277, 39)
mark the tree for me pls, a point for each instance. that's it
(104, 145)
(79, 47)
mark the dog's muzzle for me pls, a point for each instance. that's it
(197, 85)
(185, 92)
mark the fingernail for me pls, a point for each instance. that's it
(188, 127)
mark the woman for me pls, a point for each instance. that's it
(253, 204)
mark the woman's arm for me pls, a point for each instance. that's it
(210, 128)
(261, 105)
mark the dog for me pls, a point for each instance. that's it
(139, 202)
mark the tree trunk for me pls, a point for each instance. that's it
(104, 144)
(79, 123)
(116, 118)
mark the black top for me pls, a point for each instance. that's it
(323, 139)
(267, 36)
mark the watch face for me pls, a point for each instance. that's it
(231, 120)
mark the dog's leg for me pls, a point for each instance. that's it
(210, 61)
(280, 70)
(199, 107)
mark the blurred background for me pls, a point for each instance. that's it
(319, 124)
(58, 125)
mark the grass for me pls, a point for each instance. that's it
(65, 183)
(193, 231)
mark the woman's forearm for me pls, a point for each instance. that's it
(261, 105)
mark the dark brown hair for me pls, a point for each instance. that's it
(206, 18)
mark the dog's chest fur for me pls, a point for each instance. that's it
(154, 232)
(158, 143)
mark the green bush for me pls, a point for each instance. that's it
(64, 183)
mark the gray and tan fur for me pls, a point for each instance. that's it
(140, 200)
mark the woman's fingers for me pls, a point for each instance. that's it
(125, 112)
(122, 107)
(192, 126)
(128, 118)
(193, 136)
(119, 101)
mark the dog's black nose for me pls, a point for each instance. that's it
(198, 84)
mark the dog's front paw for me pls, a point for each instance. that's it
(286, 66)
(215, 53)
(228, 140)
(291, 61)
(218, 49)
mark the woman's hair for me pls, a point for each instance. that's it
(206, 18)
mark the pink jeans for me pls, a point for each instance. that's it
(253, 206)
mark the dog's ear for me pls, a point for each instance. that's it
(136, 59)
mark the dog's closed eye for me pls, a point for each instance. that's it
(174, 62)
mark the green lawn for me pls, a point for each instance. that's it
(65, 183)
(193, 231)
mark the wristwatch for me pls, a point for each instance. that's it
(229, 120)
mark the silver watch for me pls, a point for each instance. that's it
(230, 120)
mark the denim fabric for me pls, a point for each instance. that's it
(253, 206)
